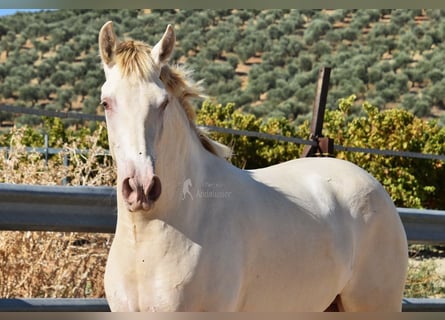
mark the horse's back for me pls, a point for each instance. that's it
(301, 175)
(327, 184)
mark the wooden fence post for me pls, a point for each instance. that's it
(66, 163)
(45, 148)
(324, 146)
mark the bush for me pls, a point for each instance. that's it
(411, 182)
(251, 152)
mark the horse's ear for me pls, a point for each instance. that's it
(107, 43)
(162, 51)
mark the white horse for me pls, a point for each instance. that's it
(299, 236)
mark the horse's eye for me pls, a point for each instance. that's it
(105, 104)
(164, 104)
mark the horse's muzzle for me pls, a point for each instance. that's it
(141, 196)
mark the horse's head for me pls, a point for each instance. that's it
(134, 99)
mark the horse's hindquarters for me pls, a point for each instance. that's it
(381, 261)
(364, 221)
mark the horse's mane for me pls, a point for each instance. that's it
(133, 58)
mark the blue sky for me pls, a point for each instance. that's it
(5, 12)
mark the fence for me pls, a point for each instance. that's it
(93, 209)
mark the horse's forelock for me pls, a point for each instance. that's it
(133, 58)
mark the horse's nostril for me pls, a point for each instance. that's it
(139, 197)
(154, 189)
(126, 188)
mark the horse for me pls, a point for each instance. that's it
(195, 233)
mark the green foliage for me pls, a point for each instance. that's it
(411, 182)
(251, 152)
(59, 135)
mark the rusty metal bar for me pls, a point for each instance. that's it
(325, 146)
(320, 101)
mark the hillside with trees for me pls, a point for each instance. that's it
(264, 61)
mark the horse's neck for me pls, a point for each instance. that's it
(180, 159)
(180, 155)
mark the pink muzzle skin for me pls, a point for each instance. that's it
(141, 196)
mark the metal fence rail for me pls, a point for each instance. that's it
(260, 135)
(423, 305)
(57, 208)
(423, 226)
(54, 305)
(101, 305)
(93, 209)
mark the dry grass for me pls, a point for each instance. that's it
(424, 280)
(426, 272)
(53, 264)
